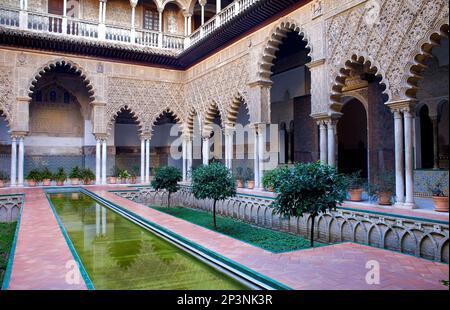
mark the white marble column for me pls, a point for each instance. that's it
(147, 161)
(205, 150)
(202, 5)
(261, 154)
(98, 162)
(409, 173)
(323, 143)
(229, 146)
(20, 162)
(218, 6)
(189, 29)
(133, 4)
(13, 161)
(331, 137)
(189, 157)
(255, 155)
(104, 158)
(142, 160)
(399, 162)
(435, 122)
(184, 157)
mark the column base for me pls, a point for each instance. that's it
(408, 205)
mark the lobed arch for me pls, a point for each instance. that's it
(233, 110)
(112, 118)
(272, 43)
(49, 66)
(192, 115)
(169, 111)
(4, 113)
(420, 54)
(351, 66)
(208, 117)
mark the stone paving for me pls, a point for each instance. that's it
(42, 254)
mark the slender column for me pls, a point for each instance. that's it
(288, 140)
(104, 155)
(189, 25)
(229, 145)
(104, 12)
(64, 19)
(261, 153)
(185, 25)
(133, 4)
(142, 160)
(189, 156)
(409, 182)
(435, 122)
(13, 161)
(160, 16)
(331, 143)
(255, 156)
(218, 6)
(399, 162)
(202, 5)
(98, 162)
(184, 157)
(20, 163)
(102, 20)
(205, 150)
(64, 7)
(323, 142)
(147, 161)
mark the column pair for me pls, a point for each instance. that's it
(17, 160)
(187, 156)
(229, 145)
(101, 151)
(403, 131)
(145, 160)
(259, 146)
(328, 139)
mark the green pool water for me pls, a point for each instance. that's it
(120, 255)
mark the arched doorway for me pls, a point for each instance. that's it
(352, 142)
(165, 144)
(60, 122)
(127, 144)
(291, 100)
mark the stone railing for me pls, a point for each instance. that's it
(10, 208)
(56, 24)
(419, 237)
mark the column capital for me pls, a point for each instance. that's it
(145, 136)
(316, 63)
(402, 106)
(24, 99)
(98, 103)
(18, 134)
(133, 3)
(261, 83)
(100, 136)
(202, 2)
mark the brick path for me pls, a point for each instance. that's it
(42, 253)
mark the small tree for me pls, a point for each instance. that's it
(308, 188)
(214, 182)
(167, 178)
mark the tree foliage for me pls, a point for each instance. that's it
(308, 188)
(215, 182)
(167, 178)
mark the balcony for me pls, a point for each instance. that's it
(58, 25)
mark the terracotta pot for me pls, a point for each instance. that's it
(59, 183)
(123, 181)
(2, 183)
(355, 194)
(239, 184)
(87, 182)
(32, 183)
(46, 182)
(440, 204)
(132, 180)
(384, 199)
(74, 181)
(112, 180)
(250, 184)
(271, 189)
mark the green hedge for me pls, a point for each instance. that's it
(270, 240)
(7, 231)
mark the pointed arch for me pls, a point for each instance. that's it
(233, 110)
(272, 43)
(158, 116)
(112, 118)
(76, 68)
(420, 54)
(354, 65)
(208, 118)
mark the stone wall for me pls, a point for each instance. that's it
(419, 237)
(10, 208)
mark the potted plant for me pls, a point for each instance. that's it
(87, 176)
(123, 176)
(133, 175)
(356, 186)
(250, 178)
(47, 177)
(3, 178)
(269, 180)
(239, 177)
(383, 188)
(75, 175)
(60, 176)
(34, 177)
(440, 198)
(115, 173)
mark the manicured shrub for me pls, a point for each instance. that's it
(167, 178)
(46, 174)
(308, 188)
(87, 175)
(34, 175)
(75, 173)
(215, 182)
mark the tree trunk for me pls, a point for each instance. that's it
(313, 217)
(168, 201)
(214, 214)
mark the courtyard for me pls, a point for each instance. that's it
(224, 145)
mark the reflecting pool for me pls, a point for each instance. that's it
(120, 255)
